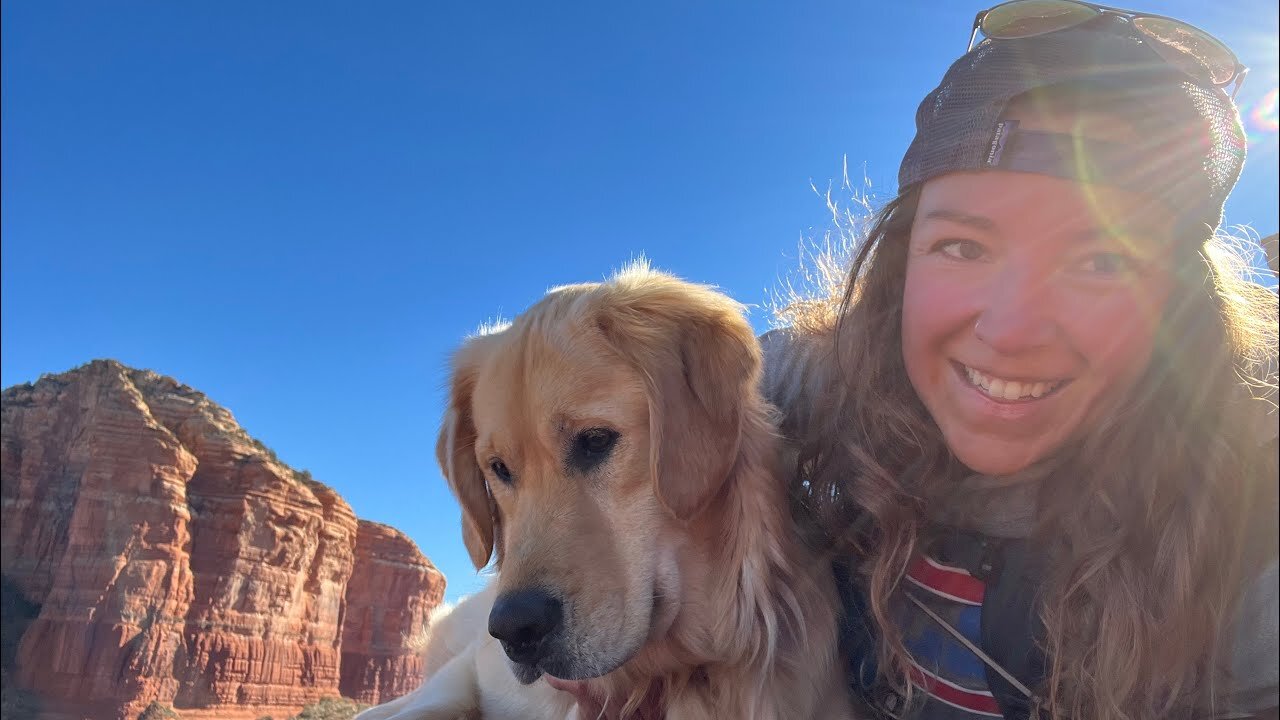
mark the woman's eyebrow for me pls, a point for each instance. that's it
(1128, 235)
(974, 221)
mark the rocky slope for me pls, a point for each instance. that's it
(154, 552)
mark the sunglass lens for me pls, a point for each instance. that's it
(1189, 48)
(1028, 18)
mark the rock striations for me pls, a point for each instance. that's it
(154, 552)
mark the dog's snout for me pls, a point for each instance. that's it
(523, 620)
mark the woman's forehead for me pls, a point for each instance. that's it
(1008, 202)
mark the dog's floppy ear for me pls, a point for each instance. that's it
(701, 363)
(455, 450)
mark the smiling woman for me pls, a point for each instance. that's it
(1037, 421)
(1023, 319)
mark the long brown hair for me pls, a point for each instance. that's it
(1147, 521)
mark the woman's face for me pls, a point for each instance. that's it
(1030, 304)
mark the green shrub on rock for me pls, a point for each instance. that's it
(157, 711)
(330, 709)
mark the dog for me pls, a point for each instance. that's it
(613, 454)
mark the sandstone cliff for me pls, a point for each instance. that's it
(161, 554)
(375, 664)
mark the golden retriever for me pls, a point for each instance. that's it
(611, 449)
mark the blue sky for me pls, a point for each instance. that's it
(301, 208)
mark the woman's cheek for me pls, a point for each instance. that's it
(935, 308)
(1115, 331)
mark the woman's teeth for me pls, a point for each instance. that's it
(1002, 389)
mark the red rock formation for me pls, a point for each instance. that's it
(174, 559)
(381, 659)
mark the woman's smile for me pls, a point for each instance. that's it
(1009, 389)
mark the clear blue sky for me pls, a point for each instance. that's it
(301, 208)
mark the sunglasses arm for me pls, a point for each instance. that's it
(1241, 73)
(977, 23)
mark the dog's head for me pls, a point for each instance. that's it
(581, 442)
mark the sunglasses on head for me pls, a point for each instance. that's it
(1184, 46)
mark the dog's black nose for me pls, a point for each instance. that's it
(523, 620)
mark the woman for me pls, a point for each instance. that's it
(1039, 396)
(1033, 425)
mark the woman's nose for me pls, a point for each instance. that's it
(1015, 314)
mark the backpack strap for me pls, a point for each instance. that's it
(1011, 634)
(991, 664)
(857, 639)
(1011, 631)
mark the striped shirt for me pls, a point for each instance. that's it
(951, 676)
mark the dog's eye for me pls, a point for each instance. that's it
(500, 469)
(591, 447)
(597, 440)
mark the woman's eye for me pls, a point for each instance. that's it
(1108, 263)
(961, 249)
(501, 470)
(591, 447)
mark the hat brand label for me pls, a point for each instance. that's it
(999, 138)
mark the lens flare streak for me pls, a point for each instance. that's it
(1260, 117)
